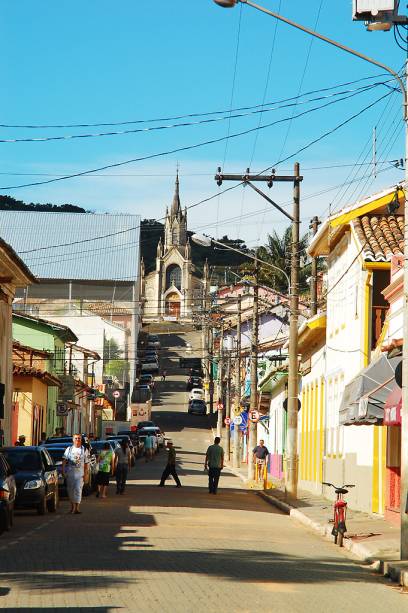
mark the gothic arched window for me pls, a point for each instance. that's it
(173, 276)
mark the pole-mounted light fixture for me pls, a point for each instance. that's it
(227, 4)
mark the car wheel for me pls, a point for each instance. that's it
(42, 506)
(52, 504)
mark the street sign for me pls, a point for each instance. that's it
(116, 394)
(62, 409)
(237, 420)
(220, 406)
(227, 421)
(254, 416)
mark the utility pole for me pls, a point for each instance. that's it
(228, 405)
(293, 383)
(295, 179)
(254, 378)
(220, 381)
(314, 226)
(210, 366)
(236, 452)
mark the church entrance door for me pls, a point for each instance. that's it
(173, 306)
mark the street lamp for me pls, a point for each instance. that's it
(402, 86)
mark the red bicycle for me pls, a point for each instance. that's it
(340, 512)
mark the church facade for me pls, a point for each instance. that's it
(172, 291)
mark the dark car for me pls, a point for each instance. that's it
(147, 379)
(8, 490)
(137, 442)
(194, 382)
(145, 424)
(57, 452)
(197, 407)
(36, 478)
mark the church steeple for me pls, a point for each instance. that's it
(175, 207)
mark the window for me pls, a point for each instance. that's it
(173, 276)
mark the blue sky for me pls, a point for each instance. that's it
(99, 61)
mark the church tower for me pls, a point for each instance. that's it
(171, 290)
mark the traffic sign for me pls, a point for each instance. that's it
(254, 416)
(227, 421)
(220, 406)
(116, 394)
(237, 420)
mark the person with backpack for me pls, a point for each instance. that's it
(75, 466)
(105, 460)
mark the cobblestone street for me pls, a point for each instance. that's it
(180, 550)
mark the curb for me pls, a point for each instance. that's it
(396, 571)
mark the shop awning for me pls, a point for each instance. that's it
(364, 397)
(392, 408)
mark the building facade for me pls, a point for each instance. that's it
(172, 291)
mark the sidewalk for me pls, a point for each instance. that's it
(369, 538)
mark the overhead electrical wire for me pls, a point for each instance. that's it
(212, 141)
(186, 116)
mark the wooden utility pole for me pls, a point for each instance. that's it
(236, 450)
(252, 428)
(314, 226)
(220, 381)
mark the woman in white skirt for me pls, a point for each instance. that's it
(75, 466)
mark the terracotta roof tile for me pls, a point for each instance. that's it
(380, 236)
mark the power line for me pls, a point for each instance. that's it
(210, 142)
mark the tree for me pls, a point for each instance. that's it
(7, 203)
(118, 369)
(111, 350)
(277, 251)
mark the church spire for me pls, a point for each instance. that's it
(175, 207)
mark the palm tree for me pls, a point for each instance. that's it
(277, 251)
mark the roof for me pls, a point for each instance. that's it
(38, 373)
(27, 275)
(380, 236)
(73, 247)
(334, 226)
(63, 332)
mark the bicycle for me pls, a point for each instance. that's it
(339, 512)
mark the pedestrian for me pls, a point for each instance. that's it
(148, 445)
(164, 374)
(260, 452)
(21, 441)
(214, 461)
(122, 465)
(75, 467)
(43, 438)
(170, 468)
(105, 460)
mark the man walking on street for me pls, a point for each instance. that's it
(214, 461)
(170, 468)
(261, 453)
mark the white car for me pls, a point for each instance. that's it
(197, 394)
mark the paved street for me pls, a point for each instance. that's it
(181, 550)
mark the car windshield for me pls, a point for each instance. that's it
(99, 445)
(20, 459)
(56, 453)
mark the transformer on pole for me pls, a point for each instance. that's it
(378, 14)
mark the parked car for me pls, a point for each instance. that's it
(197, 407)
(144, 424)
(147, 379)
(137, 443)
(157, 433)
(197, 394)
(57, 440)
(36, 478)
(144, 432)
(154, 341)
(8, 490)
(152, 367)
(194, 382)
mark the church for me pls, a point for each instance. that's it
(172, 291)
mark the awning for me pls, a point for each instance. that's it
(392, 409)
(364, 397)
